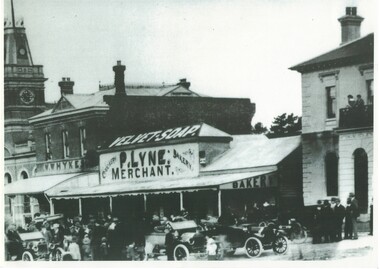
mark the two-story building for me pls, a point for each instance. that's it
(337, 133)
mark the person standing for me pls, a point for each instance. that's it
(371, 218)
(351, 101)
(170, 240)
(359, 104)
(326, 217)
(348, 221)
(317, 223)
(339, 213)
(355, 215)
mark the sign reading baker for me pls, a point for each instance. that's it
(171, 161)
(262, 181)
(163, 135)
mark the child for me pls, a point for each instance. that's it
(74, 249)
(103, 252)
(86, 248)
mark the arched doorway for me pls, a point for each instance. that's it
(361, 178)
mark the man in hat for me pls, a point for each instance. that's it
(326, 221)
(351, 101)
(57, 235)
(355, 215)
(338, 213)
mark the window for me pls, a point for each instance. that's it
(24, 175)
(331, 101)
(8, 178)
(361, 179)
(48, 146)
(331, 168)
(26, 204)
(82, 140)
(370, 91)
(65, 144)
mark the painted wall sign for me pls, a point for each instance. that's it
(262, 181)
(163, 135)
(172, 161)
(59, 167)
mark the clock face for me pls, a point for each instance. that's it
(22, 51)
(27, 96)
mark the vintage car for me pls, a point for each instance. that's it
(189, 244)
(248, 236)
(34, 247)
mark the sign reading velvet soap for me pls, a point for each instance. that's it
(171, 161)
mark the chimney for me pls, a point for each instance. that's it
(66, 86)
(350, 25)
(119, 79)
(183, 82)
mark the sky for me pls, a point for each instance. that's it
(239, 49)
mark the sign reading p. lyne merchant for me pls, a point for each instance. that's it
(262, 181)
(171, 161)
(163, 135)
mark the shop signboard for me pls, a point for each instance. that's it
(60, 167)
(257, 182)
(171, 161)
(157, 136)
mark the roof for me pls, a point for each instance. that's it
(248, 151)
(359, 50)
(35, 184)
(81, 101)
(134, 187)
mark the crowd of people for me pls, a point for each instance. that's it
(329, 216)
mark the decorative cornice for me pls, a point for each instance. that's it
(364, 67)
(329, 73)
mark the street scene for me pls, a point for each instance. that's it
(235, 144)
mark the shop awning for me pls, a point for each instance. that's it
(135, 187)
(36, 185)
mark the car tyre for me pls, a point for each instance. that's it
(253, 247)
(280, 245)
(27, 257)
(181, 253)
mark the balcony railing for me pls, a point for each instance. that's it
(356, 117)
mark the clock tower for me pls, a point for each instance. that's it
(24, 94)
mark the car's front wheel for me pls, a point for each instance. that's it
(27, 256)
(280, 244)
(181, 253)
(253, 247)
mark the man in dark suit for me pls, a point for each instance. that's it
(355, 215)
(339, 214)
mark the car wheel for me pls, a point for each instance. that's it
(280, 245)
(58, 254)
(253, 247)
(27, 257)
(181, 253)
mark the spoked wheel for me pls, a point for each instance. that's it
(253, 247)
(57, 254)
(280, 245)
(27, 256)
(181, 253)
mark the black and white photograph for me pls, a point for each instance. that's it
(175, 132)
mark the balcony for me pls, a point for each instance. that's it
(356, 117)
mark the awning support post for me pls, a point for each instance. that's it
(51, 206)
(144, 203)
(111, 204)
(219, 202)
(181, 201)
(80, 206)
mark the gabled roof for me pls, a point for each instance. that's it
(249, 151)
(81, 101)
(359, 50)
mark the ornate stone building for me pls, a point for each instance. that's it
(337, 135)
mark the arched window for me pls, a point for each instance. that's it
(331, 169)
(24, 175)
(7, 178)
(361, 179)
